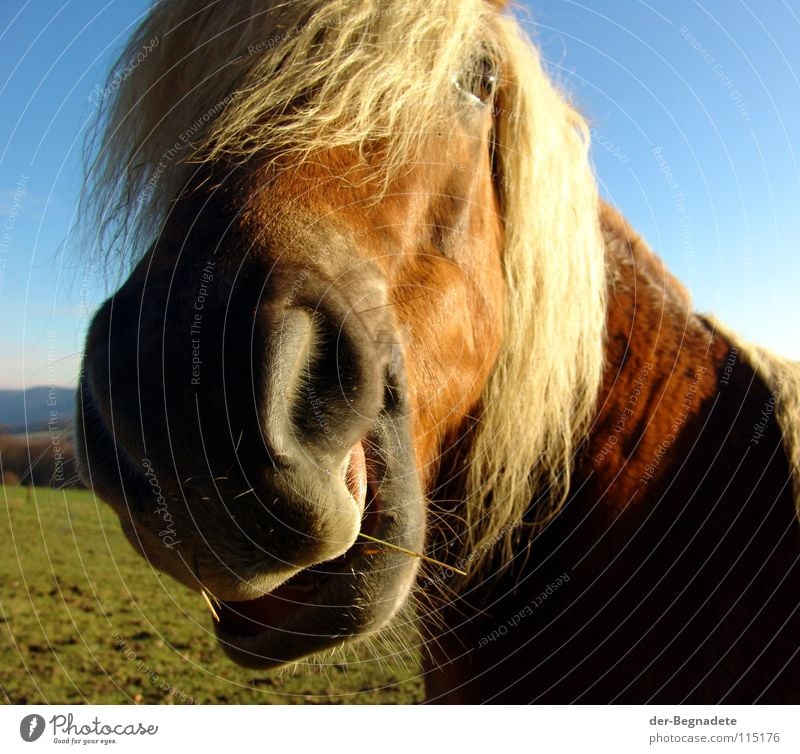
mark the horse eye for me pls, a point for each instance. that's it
(479, 83)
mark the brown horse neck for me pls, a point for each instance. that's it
(663, 363)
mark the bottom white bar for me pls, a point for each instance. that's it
(386, 730)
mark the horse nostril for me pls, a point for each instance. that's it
(319, 389)
(288, 353)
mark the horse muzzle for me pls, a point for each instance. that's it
(246, 449)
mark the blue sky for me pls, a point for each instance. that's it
(695, 113)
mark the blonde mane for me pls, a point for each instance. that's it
(542, 395)
(228, 80)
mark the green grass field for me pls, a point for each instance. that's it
(85, 619)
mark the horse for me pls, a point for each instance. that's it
(371, 308)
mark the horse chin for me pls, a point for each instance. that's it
(356, 593)
(330, 603)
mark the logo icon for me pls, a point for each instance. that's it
(31, 727)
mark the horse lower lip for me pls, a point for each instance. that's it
(254, 617)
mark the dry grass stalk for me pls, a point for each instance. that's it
(210, 604)
(412, 553)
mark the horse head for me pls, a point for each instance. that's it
(318, 308)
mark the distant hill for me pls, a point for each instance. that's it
(30, 410)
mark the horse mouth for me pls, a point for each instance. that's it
(325, 604)
(330, 603)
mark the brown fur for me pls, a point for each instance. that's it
(683, 587)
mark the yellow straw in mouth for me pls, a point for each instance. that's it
(210, 605)
(411, 553)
